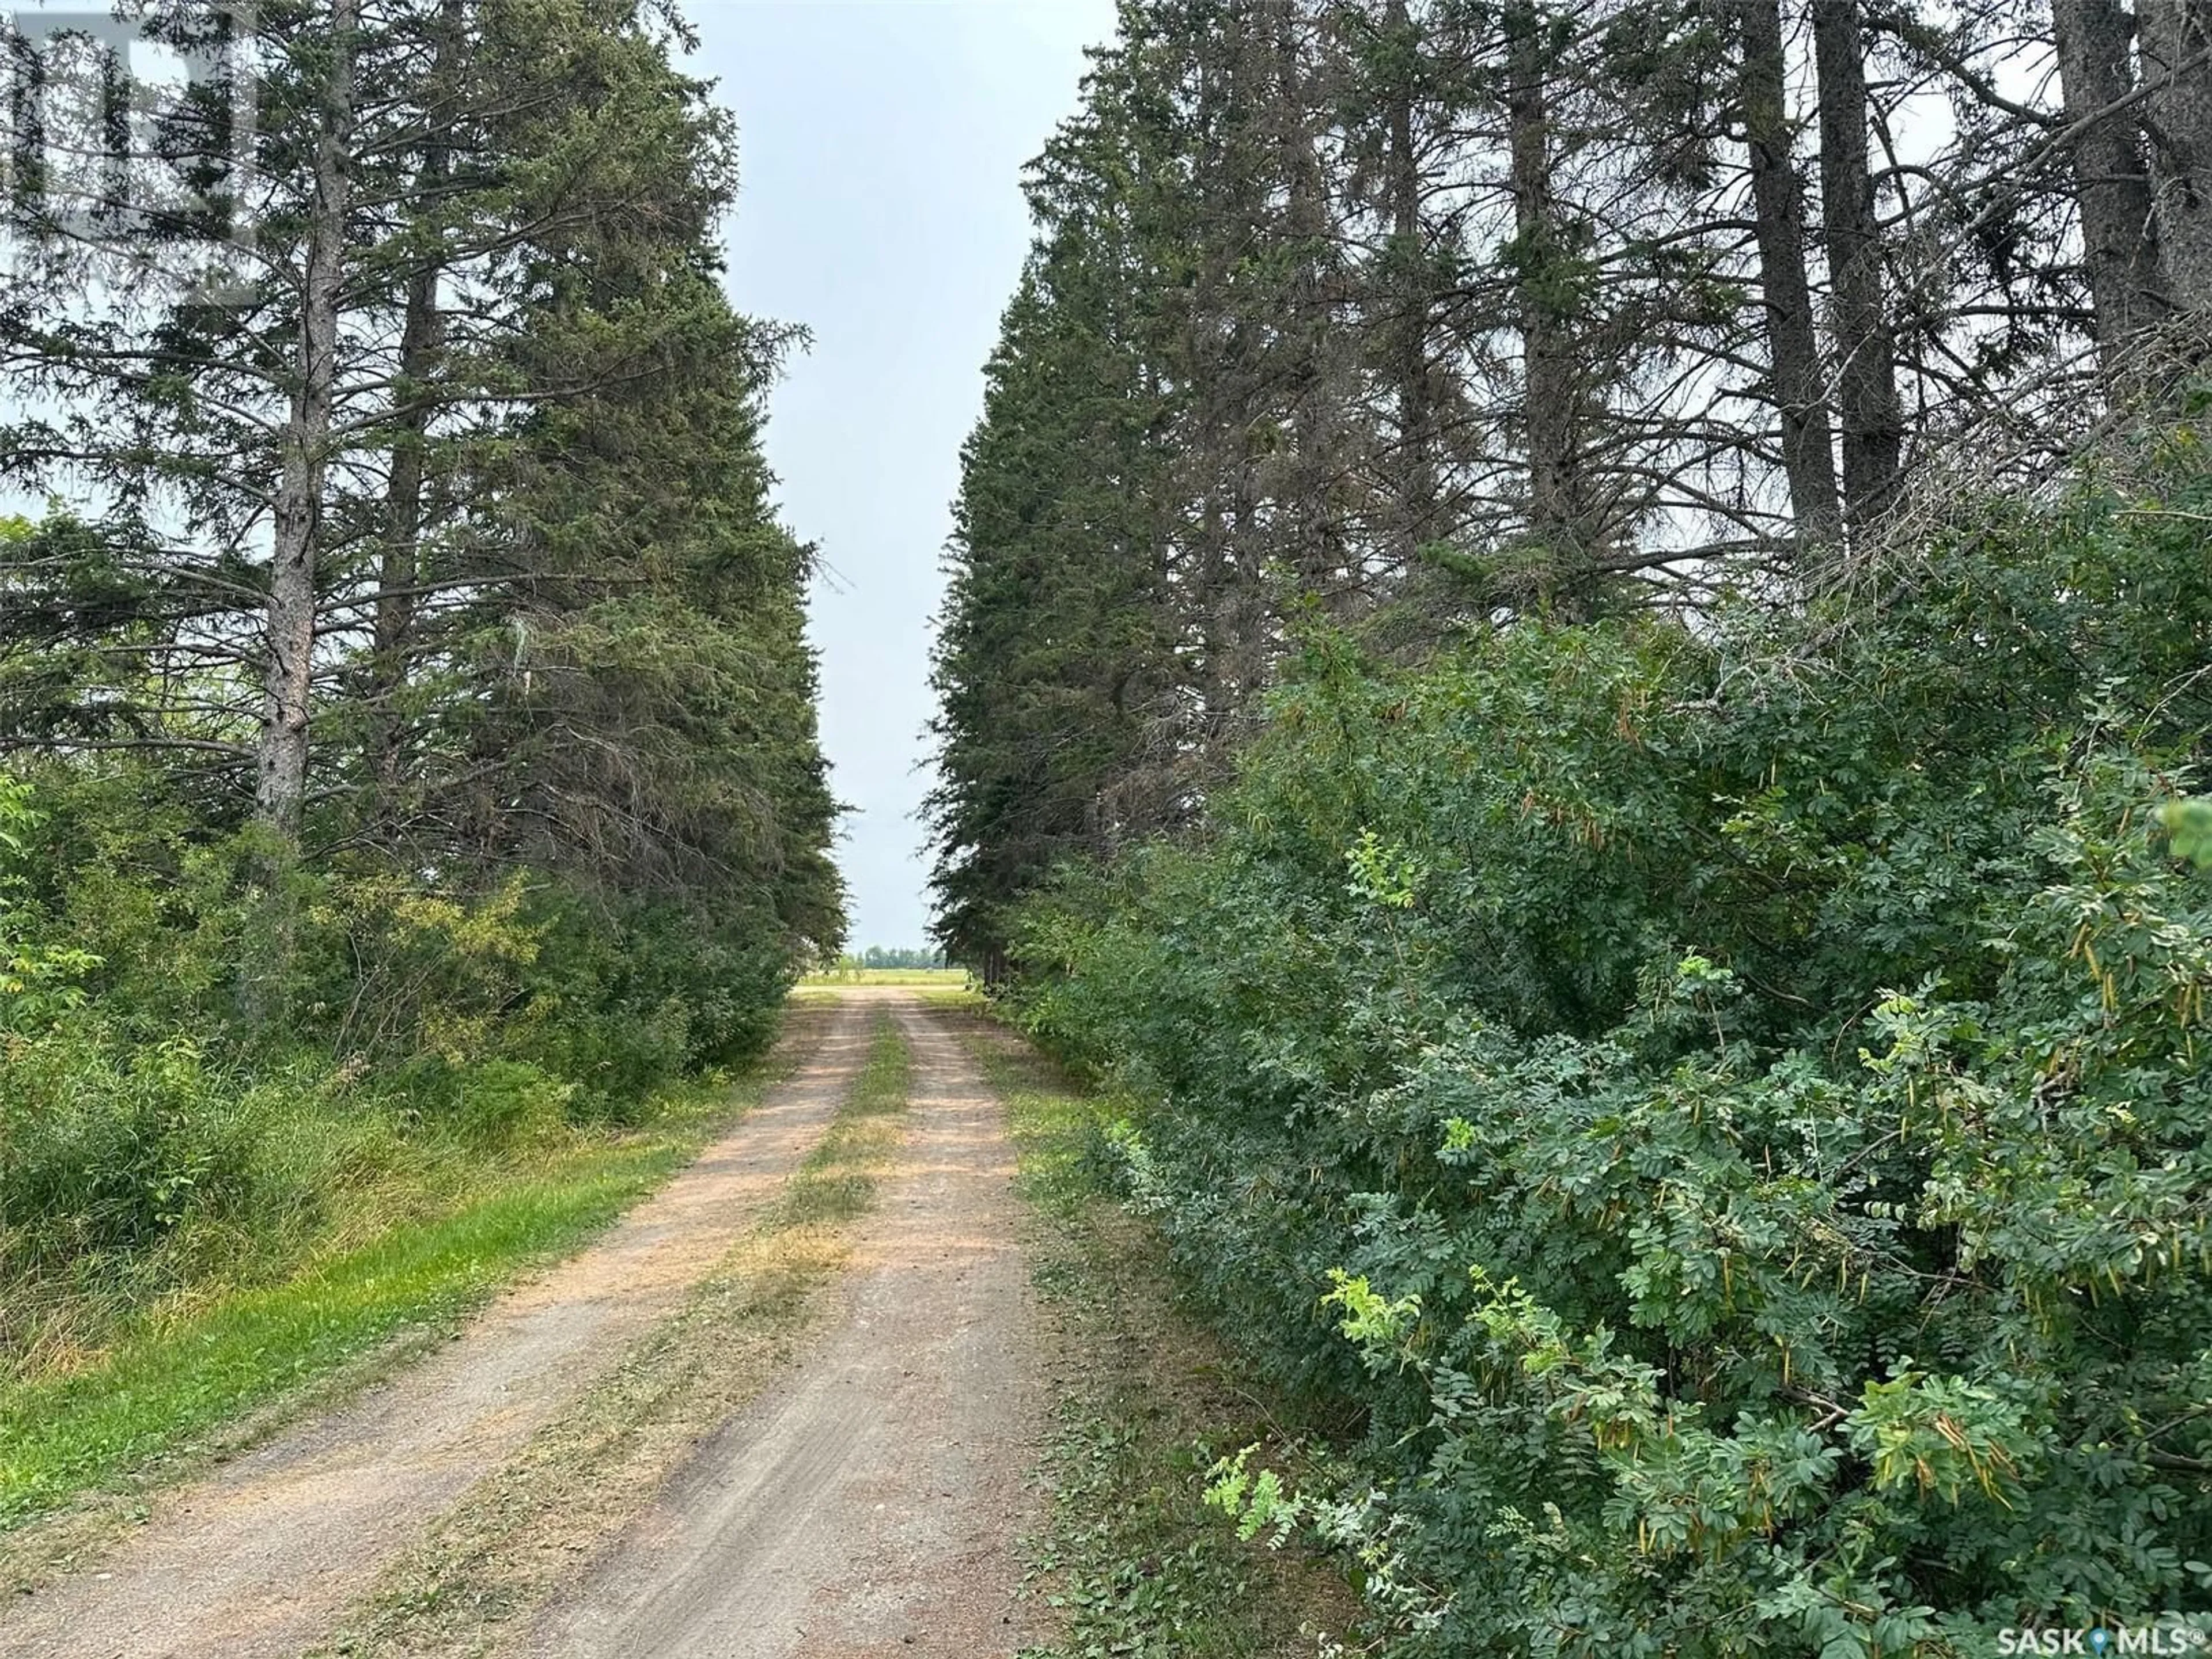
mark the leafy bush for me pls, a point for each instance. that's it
(1724, 1105)
(157, 1131)
(100, 1155)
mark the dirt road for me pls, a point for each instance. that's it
(871, 1504)
(868, 1501)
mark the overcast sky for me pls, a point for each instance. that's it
(882, 145)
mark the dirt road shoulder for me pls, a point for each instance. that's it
(257, 1560)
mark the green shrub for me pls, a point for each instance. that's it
(508, 1103)
(171, 1117)
(100, 1154)
(1727, 1106)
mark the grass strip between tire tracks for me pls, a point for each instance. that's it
(493, 1561)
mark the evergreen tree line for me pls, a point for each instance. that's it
(406, 667)
(1576, 658)
(1400, 316)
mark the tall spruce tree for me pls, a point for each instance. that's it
(1065, 694)
(517, 600)
(1442, 313)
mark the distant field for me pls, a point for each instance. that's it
(951, 978)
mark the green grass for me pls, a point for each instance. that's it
(837, 1182)
(969, 998)
(173, 1383)
(1131, 1560)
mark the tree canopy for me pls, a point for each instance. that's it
(1574, 657)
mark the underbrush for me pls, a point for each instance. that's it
(1130, 1562)
(160, 1175)
(206, 1077)
(247, 1132)
(1722, 1107)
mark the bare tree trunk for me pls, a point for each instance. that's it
(2175, 40)
(1872, 423)
(1416, 505)
(399, 565)
(1779, 210)
(282, 780)
(2112, 183)
(1550, 385)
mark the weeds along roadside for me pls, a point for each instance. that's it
(192, 1378)
(176, 1125)
(514, 1540)
(1130, 1559)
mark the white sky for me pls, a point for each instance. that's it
(881, 147)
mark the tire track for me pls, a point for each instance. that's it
(873, 1503)
(254, 1562)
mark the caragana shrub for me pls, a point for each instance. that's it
(1725, 1109)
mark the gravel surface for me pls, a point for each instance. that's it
(872, 1501)
(256, 1561)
